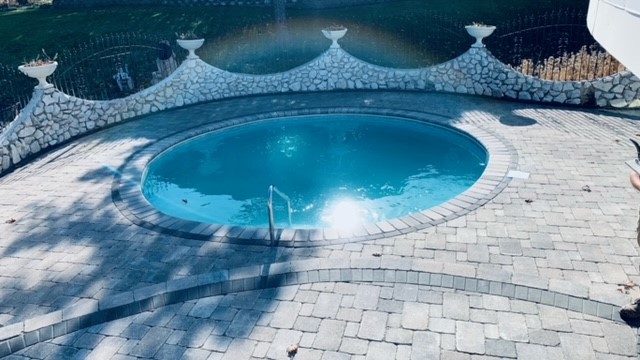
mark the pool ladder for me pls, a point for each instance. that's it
(273, 189)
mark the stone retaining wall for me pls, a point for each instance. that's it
(53, 117)
(618, 91)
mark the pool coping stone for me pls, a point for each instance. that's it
(127, 193)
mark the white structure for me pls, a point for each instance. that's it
(615, 24)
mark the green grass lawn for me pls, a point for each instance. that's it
(24, 32)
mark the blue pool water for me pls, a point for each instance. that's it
(338, 170)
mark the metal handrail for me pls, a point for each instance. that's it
(286, 198)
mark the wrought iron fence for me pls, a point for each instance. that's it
(15, 93)
(554, 45)
(115, 65)
(108, 67)
(446, 37)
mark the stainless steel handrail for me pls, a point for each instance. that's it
(286, 198)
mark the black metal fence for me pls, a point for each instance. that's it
(114, 66)
(555, 45)
(108, 67)
(15, 93)
(446, 37)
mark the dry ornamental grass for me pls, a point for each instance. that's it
(583, 65)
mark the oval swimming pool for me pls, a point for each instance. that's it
(338, 170)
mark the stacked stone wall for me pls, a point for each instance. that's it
(52, 117)
(619, 91)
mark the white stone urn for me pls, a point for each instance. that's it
(191, 45)
(39, 71)
(479, 32)
(334, 34)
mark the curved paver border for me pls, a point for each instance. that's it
(128, 197)
(17, 336)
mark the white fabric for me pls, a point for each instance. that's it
(617, 3)
(633, 6)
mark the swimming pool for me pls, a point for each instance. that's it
(339, 170)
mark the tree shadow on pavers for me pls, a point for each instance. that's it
(78, 240)
(53, 259)
(517, 120)
(384, 320)
(97, 175)
(69, 242)
(625, 114)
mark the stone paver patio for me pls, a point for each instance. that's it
(536, 272)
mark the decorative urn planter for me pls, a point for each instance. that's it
(479, 32)
(334, 34)
(191, 45)
(40, 72)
